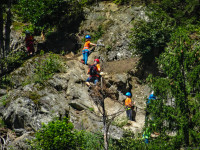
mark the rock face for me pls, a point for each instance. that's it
(66, 94)
(114, 23)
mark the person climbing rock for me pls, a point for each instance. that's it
(94, 72)
(98, 65)
(86, 49)
(128, 105)
(150, 98)
(29, 39)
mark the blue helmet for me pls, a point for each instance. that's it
(88, 37)
(128, 94)
(151, 96)
(27, 32)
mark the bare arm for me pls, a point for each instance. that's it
(93, 44)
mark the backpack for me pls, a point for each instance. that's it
(93, 70)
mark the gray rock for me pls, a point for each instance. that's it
(3, 92)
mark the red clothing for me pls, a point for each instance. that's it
(30, 43)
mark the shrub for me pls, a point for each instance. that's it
(58, 135)
(45, 68)
(150, 38)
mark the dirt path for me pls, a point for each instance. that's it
(121, 66)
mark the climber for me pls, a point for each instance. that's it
(151, 97)
(86, 49)
(128, 105)
(94, 73)
(148, 114)
(98, 65)
(146, 135)
(29, 39)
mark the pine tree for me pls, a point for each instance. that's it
(177, 108)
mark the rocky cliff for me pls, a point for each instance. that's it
(65, 94)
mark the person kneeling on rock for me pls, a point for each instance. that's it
(128, 105)
(94, 73)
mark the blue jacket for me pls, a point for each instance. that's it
(151, 97)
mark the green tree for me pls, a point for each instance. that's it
(184, 12)
(60, 135)
(178, 106)
(149, 38)
(47, 14)
(5, 24)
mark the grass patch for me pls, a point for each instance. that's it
(2, 123)
(18, 26)
(120, 122)
(97, 34)
(91, 109)
(4, 101)
(45, 68)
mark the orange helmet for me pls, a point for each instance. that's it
(97, 60)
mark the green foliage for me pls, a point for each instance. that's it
(35, 97)
(4, 100)
(97, 34)
(93, 141)
(29, 27)
(6, 82)
(178, 106)
(120, 123)
(58, 134)
(86, 2)
(45, 68)
(13, 59)
(9, 63)
(149, 38)
(18, 26)
(2, 123)
(45, 14)
(184, 12)
(121, 2)
(130, 142)
(91, 109)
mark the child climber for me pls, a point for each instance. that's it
(86, 48)
(128, 105)
(94, 72)
(29, 39)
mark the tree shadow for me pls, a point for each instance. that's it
(64, 39)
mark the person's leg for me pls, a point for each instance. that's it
(32, 49)
(83, 53)
(86, 56)
(96, 80)
(129, 114)
(28, 50)
(88, 81)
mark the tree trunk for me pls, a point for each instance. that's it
(1, 38)
(185, 105)
(104, 119)
(7, 28)
(1, 31)
(105, 127)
